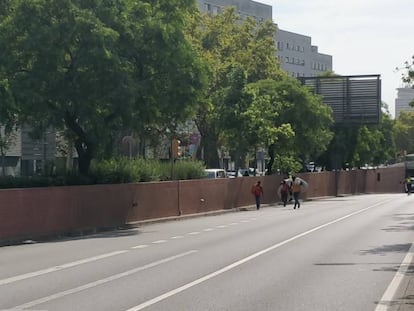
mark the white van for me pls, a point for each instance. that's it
(215, 173)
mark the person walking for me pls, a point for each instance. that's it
(296, 189)
(257, 191)
(284, 191)
(408, 185)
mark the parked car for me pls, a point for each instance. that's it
(234, 174)
(247, 171)
(215, 173)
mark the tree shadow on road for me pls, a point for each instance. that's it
(384, 249)
(406, 223)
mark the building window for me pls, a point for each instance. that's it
(280, 46)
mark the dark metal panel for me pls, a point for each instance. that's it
(353, 99)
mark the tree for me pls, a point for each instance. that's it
(299, 123)
(404, 132)
(7, 139)
(8, 122)
(92, 68)
(237, 52)
(357, 145)
(408, 75)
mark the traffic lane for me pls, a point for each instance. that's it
(242, 221)
(14, 261)
(166, 234)
(47, 284)
(343, 267)
(244, 247)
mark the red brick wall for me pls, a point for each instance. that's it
(30, 213)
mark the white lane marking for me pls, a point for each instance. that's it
(244, 221)
(390, 292)
(159, 242)
(101, 281)
(177, 237)
(221, 226)
(244, 260)
(208, 229)
(234, 224)
(58, 268)
(194, 233)
(140, 246)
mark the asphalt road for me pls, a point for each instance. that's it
(333, 254)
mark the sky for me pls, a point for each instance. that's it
(363, 36)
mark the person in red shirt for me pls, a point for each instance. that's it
(257, 191)
(284, 191)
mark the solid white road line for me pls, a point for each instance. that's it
(390, 292)
(101, 281)
(58, 268)
(244, 260)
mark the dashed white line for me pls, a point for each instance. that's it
(75, 263)
(140, 246)
(58, 268)
(242, 261)
(177, 237)
(159, 242)
(102, 281)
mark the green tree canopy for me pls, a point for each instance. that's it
(357, 145)
(404, 132)
(95, 67)
(297, 123)
(237, 52)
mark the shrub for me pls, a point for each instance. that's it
(114, 171)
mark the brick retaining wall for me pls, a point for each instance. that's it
(36, 212)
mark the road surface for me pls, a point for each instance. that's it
(345, 253)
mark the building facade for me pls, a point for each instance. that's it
(405, 95)
(295, 52)
(299, 57)
(245, 8)
(26, 155)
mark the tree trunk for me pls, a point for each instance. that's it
(85, 154)
(208, 148)
(84, 146)
(271, 152)
(3, 163)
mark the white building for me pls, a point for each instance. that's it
(405, 95)
(299, 57)
(295, 52)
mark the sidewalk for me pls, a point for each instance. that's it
(404, 297)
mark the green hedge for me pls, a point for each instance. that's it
(114, 171)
